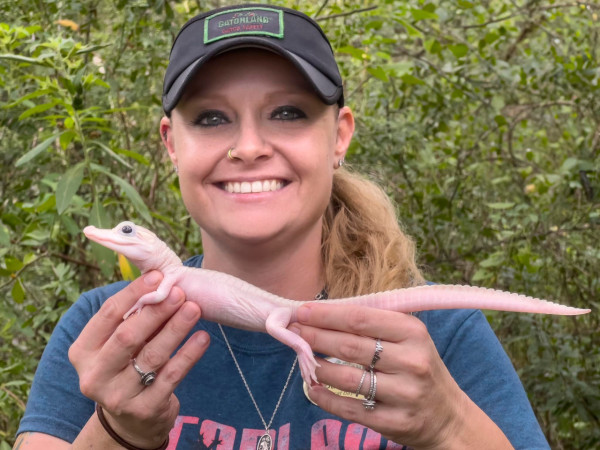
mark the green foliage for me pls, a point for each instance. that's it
(482, 120)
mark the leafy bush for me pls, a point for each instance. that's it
(482, 120)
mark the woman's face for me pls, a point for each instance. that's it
(286, 141)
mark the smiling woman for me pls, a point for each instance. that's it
(282, 135)
(256, 126)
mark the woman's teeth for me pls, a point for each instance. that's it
(245, 187)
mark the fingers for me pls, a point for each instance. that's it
(102, 357)
(409, 393)
(359, 320)
(348, 332)
(131, 334)
(182, 362)
(349, 408)
(156, 354)
(110, 315)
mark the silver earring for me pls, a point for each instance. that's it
(176, 170)
(341, 162)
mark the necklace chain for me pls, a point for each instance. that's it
(287, 382)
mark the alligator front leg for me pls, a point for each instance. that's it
(157, 296)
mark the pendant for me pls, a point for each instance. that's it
(265, 442)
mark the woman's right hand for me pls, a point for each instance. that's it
(103, 353)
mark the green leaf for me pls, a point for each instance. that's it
(356, 53)
(568, 165)
(500, 120)
(12, 264)
(379, 73)
(31, 154)
(66, 138)
(501, 205)
(29, 96)
(18, 292)
(98, 216)
(92, 48)
(112, 154)
(134, 155)
(4, 235)
(421, 14)
(433, 46)
(37, 109)
(411, 79)
(459, 50)
(105, 258)
(24, 59)
(491, 37)
(494, 260)
(135, 198)
(464, 4)
(129, 191)
(480, 275)
(67, 186)
(412, 31)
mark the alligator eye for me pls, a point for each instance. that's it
(126, 228)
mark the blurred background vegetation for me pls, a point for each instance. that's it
(480, 118)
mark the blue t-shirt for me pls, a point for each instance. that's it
(217, 413)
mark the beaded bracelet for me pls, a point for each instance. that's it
(112, 433)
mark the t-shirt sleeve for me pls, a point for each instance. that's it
(482, 369)
(56, 406)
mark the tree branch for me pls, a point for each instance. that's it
(347, 13)
(520, 13)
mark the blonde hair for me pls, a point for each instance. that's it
(364, 249)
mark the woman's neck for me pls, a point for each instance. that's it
(293, 271)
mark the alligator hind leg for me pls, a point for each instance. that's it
(276, 325)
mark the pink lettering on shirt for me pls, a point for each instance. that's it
(354, 437)
(175, 432)
(216, 435)
(283, 442)
(325, 435)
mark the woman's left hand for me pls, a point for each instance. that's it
(418, 403)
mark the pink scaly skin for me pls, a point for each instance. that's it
(233, 302)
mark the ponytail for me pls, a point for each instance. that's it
(364, 249)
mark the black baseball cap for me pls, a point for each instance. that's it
(287, 32)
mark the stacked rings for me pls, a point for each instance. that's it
(369, 401)
(377, 355)
(362, 380)
(146, 378)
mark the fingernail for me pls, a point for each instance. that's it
(188, 311)
(152, 278)
(202, 339)
(303, 313)
(295, 329)
(174, 296)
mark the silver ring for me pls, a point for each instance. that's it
(146, 378)
(369, 402)
(376, 356)
(362, 380)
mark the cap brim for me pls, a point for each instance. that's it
(329, 92)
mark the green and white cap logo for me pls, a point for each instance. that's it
(244, 21)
